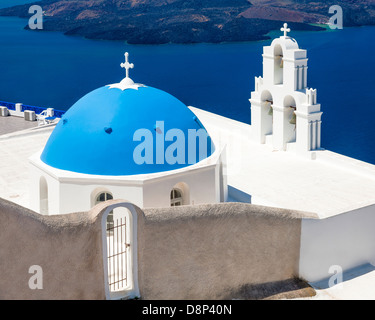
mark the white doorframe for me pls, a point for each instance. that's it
(132, 289)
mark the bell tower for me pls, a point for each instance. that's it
(284, 111)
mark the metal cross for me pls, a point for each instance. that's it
(127, 65)
(285, 29)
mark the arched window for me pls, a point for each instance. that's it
(101, 197)
(104, 196)
(176, 197)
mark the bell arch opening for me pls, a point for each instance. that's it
(290, 119)
(267, 110)
(278, 71)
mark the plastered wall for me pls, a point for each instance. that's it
(213, 251)
(66, 247)
(188, 252)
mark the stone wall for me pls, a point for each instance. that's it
(215, 251)
(188, 252)
(68, 248)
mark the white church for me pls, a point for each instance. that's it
(130, 141)
(127, 141)
(91, 155)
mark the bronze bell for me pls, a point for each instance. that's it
(270, 111)
(293, 120)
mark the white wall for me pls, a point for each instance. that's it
(53, 191)
(201, 182)
(69, 192)
(73, 196)
(347, 240)
(67, 197)
(79, 197)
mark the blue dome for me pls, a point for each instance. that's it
(95, 136)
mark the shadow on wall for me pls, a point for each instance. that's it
(284, 289)
(186, 252)
(343, 276)
(238, 195)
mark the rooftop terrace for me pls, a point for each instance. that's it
(330, 185)
(12, 124)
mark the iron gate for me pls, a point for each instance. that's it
(117, 247)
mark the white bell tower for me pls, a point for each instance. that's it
(284, 111)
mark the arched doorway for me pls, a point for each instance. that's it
(118, 242)
(43, 196)
(120, 251)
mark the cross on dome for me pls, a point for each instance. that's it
(285, 29)
(126, 83)
(127, 65)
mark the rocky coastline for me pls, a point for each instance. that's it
(187, 21)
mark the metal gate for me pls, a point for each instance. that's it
(117, 251)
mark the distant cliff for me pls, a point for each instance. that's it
(189, 21)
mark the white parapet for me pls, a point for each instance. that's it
(18, 112)
(345, 241)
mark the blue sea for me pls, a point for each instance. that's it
(49, 69)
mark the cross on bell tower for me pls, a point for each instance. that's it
(127, 65)
(285, 29)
